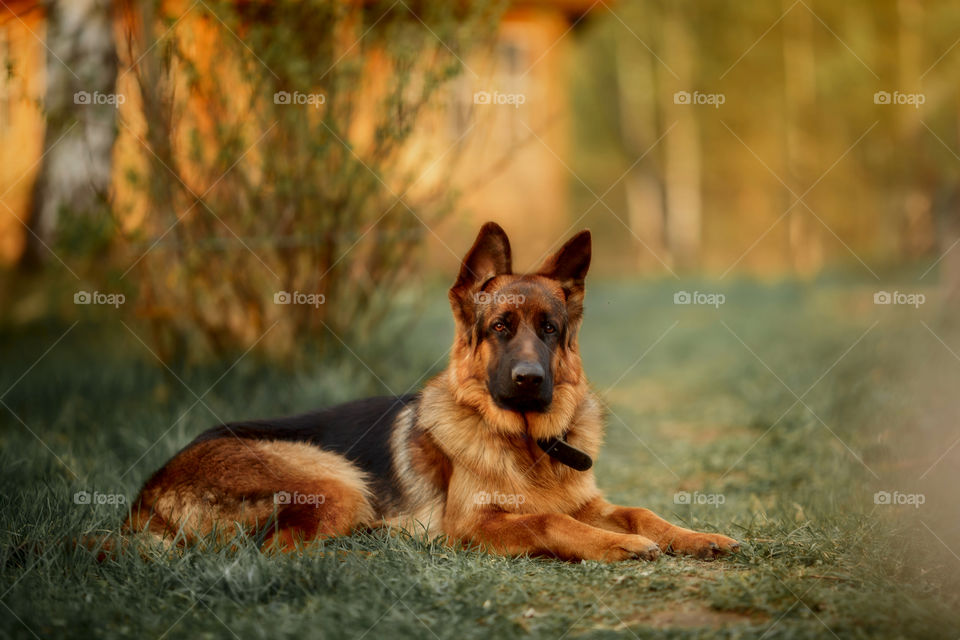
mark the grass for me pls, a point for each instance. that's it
(702, 400)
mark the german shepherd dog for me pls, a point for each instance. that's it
(494, 452)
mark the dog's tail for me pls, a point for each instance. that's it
(104, 546)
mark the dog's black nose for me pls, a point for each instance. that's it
(527, 375)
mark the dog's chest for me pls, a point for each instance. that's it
(522, 479)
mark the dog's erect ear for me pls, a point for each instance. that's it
(569, 266)
(488, 257)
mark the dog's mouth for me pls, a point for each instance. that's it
(523, 404)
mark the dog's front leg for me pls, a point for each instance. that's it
(553, 534)
(669, 537)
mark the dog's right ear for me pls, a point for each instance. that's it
(488, 257)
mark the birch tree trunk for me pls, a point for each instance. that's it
(80, 111)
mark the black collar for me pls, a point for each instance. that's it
(561, 451)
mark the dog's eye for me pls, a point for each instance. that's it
(499, 327)
(548, 328)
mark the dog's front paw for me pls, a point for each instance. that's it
(630, 547)
(705, 546)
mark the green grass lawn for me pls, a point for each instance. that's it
(780, 414)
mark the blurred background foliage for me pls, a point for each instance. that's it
(799, 169)
(201, 196)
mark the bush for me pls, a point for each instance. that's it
(281, 148)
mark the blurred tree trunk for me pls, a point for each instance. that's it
(949, 245)
(947, 242)
(639, 129)
(81, 69)
(916, 228)
(682, 160)
(799, 86)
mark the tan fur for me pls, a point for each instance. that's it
(212, 487)
(417, 472)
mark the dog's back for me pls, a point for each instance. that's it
(317, 474)
(359, 431)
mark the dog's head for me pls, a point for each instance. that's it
(517, 334)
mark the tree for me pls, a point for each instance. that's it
(80, 110)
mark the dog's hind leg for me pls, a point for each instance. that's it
(287, 491)
(329, 508)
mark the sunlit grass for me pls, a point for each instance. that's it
(708, 410)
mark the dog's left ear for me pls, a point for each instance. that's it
(569, 266)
